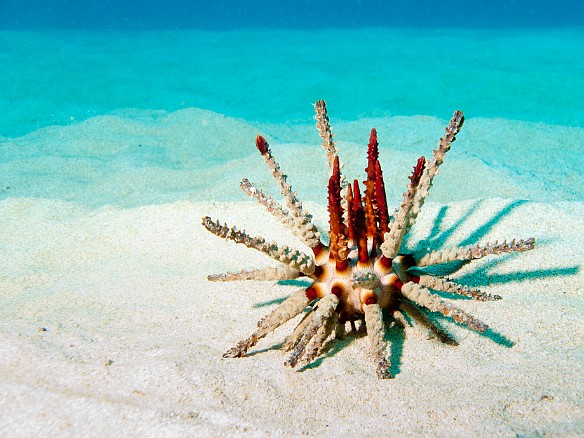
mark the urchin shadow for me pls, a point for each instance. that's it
(484, 229)
(269, 302)
(490, 333)
(480, 275)
(436, 237)
(272, 347)
(395, 336)
(299, 283)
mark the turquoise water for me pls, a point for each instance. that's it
(273, 76)
(138, 117)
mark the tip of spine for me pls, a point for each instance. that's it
(262, 145)
(418, 169)
(459, 117)
(320, 104)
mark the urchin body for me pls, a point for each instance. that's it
(361, 274)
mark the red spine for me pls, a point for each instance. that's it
(381, 201)
(417, 173)
(359, 221)
(350, 218)
(262, 145)
(338, 235)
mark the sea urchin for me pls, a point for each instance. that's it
(361, 274)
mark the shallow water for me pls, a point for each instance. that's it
(59, 77)
(70, 135)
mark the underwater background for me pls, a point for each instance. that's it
(130, 103)
(123, 123)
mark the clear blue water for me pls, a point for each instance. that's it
(273, 76)
(101, 99)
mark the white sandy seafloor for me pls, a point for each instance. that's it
(108, 325)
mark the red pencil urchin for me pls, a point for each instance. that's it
(361, 274)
